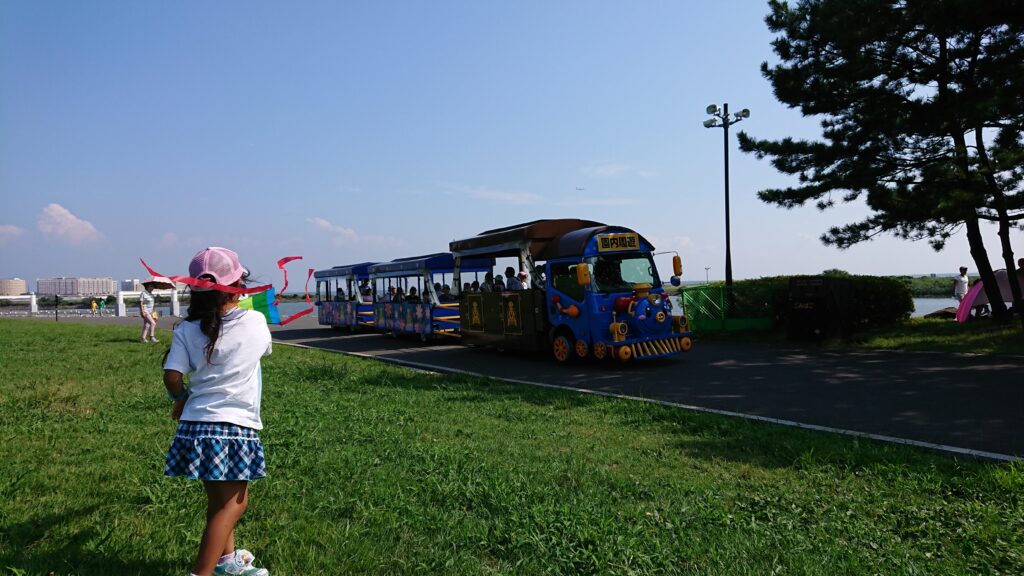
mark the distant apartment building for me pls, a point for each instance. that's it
(76, 286)
(13, 287)
(133, 285)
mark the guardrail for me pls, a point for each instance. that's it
(31, 300)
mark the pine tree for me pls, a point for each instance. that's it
(921, 105)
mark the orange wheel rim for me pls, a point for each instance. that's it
(581, 348)
(600, 350)
(561, 347)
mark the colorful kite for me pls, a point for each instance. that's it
(265, 303)
(263, 299)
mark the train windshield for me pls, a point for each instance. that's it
(620, 272)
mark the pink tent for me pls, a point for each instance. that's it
(976, 294)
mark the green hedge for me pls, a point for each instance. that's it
(872, 300)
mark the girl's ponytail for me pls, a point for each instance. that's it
(206, 307)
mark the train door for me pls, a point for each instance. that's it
(566, 304)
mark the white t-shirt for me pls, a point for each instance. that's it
(146, 299)
(229, 387)
(960, 286)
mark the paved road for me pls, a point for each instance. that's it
(965, 401)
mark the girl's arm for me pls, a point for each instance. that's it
(175, 383)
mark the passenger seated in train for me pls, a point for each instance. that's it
(522, 281)
(446, 294)
(488, 285)
(476, 287)
(511, 282)
(499, 284)
(413, 296)
(365, 292)
(398, 295)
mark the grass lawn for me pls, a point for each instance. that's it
(920, 334)
(380, 470)
(977, 336)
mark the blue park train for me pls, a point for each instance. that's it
(589, 290)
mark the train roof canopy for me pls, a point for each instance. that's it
(440, 263)
(360, 270)
(575, 242)
(535, 236)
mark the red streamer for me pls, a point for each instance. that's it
(309, 310)
(207, 284)
(236, 290)
(280, 264)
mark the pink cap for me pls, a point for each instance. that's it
(217, 264)
(523, 274)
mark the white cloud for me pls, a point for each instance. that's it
(496, 196)
(58, 223)
(342, 236)
(673, 243)
(169, 240)
(615, 169)
(9, 232)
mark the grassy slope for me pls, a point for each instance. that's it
(921, 334)
(977, 336)
(379, 470)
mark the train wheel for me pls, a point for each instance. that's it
(624, 353)
(581, 348)
(560, 347)
(600, 350)
(685, 344)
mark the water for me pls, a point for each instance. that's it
(924, 306)
(285, 308)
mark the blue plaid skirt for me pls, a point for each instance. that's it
(215, 451)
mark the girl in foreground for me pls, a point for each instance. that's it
(220, 346)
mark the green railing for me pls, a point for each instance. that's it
(715, 308)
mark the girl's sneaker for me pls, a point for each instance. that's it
(240, 565)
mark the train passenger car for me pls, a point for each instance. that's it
(342, 296)
(594, 290)
(407, 300)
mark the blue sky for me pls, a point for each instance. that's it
(346, 132)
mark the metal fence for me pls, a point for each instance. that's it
(716, 308)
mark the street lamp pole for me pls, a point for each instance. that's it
(706, 281)
(721, 119)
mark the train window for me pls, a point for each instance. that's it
(563, 278)
(618, 273)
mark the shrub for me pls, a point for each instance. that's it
(870, 301)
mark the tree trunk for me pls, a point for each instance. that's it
(988, 277)
(962, 163)
(999, 200)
